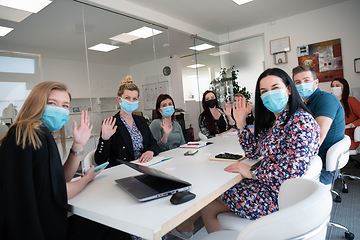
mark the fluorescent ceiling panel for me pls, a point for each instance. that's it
(219, 53)
(103, 47)
(144, 32)
(33, 6)
(12, 14)
(124, 37)
(201, 47)
(240, 2)
(17, 65)
(196, 66)
(4, 30)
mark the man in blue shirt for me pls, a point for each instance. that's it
(326, 109)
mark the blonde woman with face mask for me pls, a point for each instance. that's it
(340, 88)
(34, 185)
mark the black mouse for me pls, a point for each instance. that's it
(182, 197)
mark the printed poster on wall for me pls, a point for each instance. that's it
(324, 57)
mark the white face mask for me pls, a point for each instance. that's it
(336, 91)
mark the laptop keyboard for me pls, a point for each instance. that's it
(158, 184)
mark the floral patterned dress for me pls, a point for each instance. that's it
(286, 151)
(136, 137)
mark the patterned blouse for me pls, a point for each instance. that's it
(136, 137)
(286, 151)
(204, 128)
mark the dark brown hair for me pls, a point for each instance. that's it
(161, 98)
(345, 94)
(206, 114)
(303, 68)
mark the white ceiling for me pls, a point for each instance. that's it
(57, 31)
(212, 15)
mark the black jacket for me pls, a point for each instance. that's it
(119, 146)
(33, 197)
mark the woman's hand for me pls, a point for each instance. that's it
(81, 134)
(90, 174)
(108, 128)
(241, 111)
(166, 126)
(239, 167)
(227, 109)
(146, 156)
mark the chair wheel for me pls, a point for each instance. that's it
(337, 199)
(345, 190)
(349, 235)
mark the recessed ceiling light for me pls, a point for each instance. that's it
(145, 32)
(4, 30)
(12, 14)
(240, 2)
(124, 37)
(201, 47)
(33, 6)
(219, 53)
(196, 66)
(103, 47)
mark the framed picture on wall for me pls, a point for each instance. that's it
(280, 45)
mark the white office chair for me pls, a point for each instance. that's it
(337, 157)
(231, 221)
(202, 136)
(89, 160)
(352, 152)
(304, 211)
(356, 151)
(3, 129)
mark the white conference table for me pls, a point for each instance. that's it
(105, 202)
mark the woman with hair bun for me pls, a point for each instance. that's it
(126, 136)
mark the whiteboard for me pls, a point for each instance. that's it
(151, 93)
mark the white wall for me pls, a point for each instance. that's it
(150, 72)
(336, 21)
(105, 79)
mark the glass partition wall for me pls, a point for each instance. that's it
(60, 43)
(213, 59)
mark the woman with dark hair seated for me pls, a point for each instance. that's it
(286, 137)
(340, 88)
(213, 120)
(165, 129)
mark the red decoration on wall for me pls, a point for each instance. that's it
(324, 57)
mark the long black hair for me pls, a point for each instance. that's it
(264, 118)
(206, 114)
(345, 94)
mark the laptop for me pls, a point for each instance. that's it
(152, 184)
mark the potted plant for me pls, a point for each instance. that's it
(225, 86)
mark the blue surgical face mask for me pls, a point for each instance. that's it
(54, 118)
(167, 111)
(275, 100)
(305, 90)
(128, 106)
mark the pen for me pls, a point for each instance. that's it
(193, 143)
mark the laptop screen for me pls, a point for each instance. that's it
(151, 171)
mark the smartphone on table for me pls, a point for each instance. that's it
(191, 152)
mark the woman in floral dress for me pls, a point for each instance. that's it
(286, 136)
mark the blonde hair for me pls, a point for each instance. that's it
(28, 120)
(127, 83)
